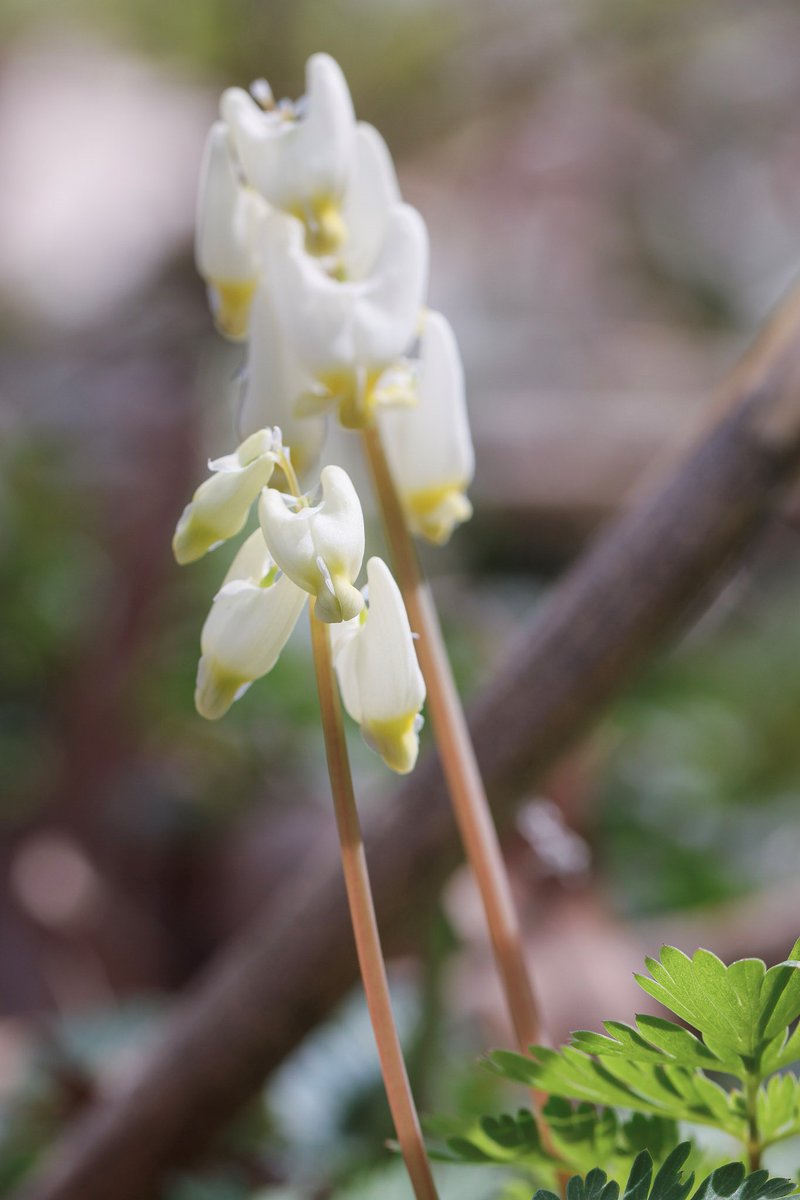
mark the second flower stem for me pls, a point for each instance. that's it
(365, 928)
(473, 816)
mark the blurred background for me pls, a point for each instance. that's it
(613, 194)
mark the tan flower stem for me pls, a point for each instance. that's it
(365, 928)
(478, 832)
(362, 909)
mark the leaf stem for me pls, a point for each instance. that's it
(365, 929)
(754, 1146)
(460, 765)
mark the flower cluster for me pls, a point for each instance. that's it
(311, 256)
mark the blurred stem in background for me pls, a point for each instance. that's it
(460, 766)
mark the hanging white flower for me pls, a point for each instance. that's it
(372, 192)
(321, 546)
(250, 621)
(219, 507)
(348, 333)
(379, 678)
(273, 381)
(429, 446)
(298, 156)
(228, 217)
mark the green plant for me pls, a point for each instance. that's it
(617, 1094)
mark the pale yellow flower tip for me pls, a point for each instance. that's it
(396, 741)
(319, 547)
(219, 507)
(230, 304)
(435, 512)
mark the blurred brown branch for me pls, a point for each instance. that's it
(644, 575)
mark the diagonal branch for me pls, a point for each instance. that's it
(617, 605)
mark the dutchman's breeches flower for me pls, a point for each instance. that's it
(299, 156)
(250, 621)
(321, 546)
(219, 507)
(348, 333)
(379, 677)
(228, 218)
(428, 446)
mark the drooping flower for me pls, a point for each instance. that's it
(298, 155)
(372, 192)
(228, 217)
(348, 333)
(250, 621)
(379, 678)
(428, 446)
(219, 507)
(321, 546)
(272, 382)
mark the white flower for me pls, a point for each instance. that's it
(298, 156)
(273, 381)
(372, 192)
(320, 547)
(228, 215)
(348, 333)
(379, 677)
(250, 621)
(219, 507)
(429, 447)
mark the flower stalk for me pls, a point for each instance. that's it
(365, 929)
(460, 766)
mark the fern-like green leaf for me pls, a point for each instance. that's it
(674, 1093)
(726, 1183)
(743, 1010)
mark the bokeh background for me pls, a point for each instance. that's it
(613, 194)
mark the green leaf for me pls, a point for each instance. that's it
(676, 1093)
(726, 1183)
(778, 1109)
(742, 1011)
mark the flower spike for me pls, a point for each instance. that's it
(379, 677)
(429, 447)
(321, 547)
(219, 507)
(250, 621)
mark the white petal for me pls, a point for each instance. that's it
(295, 161)
(379, 677)
(250, 622)
(228, 219)
(321, 548)
(429, 447)
(219, 507)
(274, 381)
(372, 192)
(342, 326)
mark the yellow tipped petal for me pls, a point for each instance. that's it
(397, 741)
(230, 306)
(219, 507)
(434, 512)
(217, 688)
